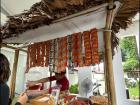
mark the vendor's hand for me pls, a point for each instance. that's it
(31, 83)
(23, 98)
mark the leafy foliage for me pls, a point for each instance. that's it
(74, 89)
(129, 53)
(130, 64)
(134, 91)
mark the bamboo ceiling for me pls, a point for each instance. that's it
(44, 12)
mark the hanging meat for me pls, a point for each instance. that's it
(47, 53)
(79, 50)
(33, 55)
(42, 54)
(87, 45)
(64, 54)
(59, 54)
(38, 46)
(94, 44)
(70, 66)
(51, 57)
(55, 56)
(77, 58)
(74, 49)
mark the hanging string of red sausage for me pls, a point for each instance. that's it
(74, 49)
(59, 54)
(69, 39)
(87, 43)
(56, 55)
(38, 51)
(64, 54)
(88, 56)
(51, 56)
(42, 54)
(94, 44)
(79, 50)
(47, 52)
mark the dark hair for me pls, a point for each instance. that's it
(4, 69)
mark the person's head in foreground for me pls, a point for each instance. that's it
(4, 69)
(4, 76)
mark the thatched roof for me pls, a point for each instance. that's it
(124, 18)
(44, 12)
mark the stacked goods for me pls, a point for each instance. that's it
(43, 100)
(99, 100)
(87, 45)
(94, 44)
(78, 102)
(69, 98)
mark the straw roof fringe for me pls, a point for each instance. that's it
(123, 19)
(44, 12)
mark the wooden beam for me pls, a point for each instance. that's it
(14, 71)
(108, 57)
(11, 47)
(90, 10)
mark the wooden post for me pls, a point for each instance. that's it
(13, 78)
(108, 58)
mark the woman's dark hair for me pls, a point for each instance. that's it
(4, 69)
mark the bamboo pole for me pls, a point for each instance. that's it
(13, 78)
(108, 58)
(90, 10)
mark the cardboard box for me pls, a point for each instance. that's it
(43, 100)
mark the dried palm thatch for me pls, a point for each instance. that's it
(44, 12)
(123, 19)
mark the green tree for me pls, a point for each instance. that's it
(129, 53)
(130, 65)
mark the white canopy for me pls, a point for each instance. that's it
(86, 20)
